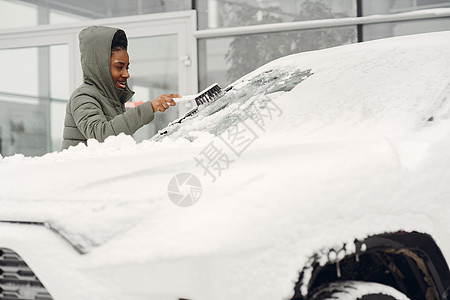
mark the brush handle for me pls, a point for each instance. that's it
(185, 98)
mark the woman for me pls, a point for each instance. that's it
(96, 109)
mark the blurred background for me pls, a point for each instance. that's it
(175, 46)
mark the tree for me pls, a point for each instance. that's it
(249, 52)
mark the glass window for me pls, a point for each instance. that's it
(22, 71)
(57, 115)
(59, 72)
(385, 30)
(153, 71)
(219, 14)
(439, 3)
(370, 7)
(33, 96)
(19, 13)
(23, 125)
(59, 92)
(58, 17)
(20, 64)
(224, 60)
(22, 112)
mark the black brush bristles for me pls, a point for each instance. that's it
(210, 94)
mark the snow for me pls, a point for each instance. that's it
(355, 290)
(350, 153)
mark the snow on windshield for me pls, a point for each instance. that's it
(237, 104)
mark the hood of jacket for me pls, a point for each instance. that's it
(95, 48)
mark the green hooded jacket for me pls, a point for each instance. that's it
(96, 109)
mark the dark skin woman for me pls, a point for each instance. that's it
(96, 109)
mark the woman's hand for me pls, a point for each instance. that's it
(162, 102)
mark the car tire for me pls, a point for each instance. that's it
(357, 290)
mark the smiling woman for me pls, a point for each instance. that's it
(120, 61)
(119, 68)
(96, 109)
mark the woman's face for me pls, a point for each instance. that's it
(119, 68)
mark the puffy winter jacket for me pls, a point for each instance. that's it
(96, 109)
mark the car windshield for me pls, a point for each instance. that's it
(237, 104)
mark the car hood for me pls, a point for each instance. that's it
(350, 153)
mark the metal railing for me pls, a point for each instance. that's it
(326, 23)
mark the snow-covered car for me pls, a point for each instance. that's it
(321, 174)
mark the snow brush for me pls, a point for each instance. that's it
(208, 95)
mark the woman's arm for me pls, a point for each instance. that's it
(92, 123)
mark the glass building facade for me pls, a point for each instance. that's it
(175, 46)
